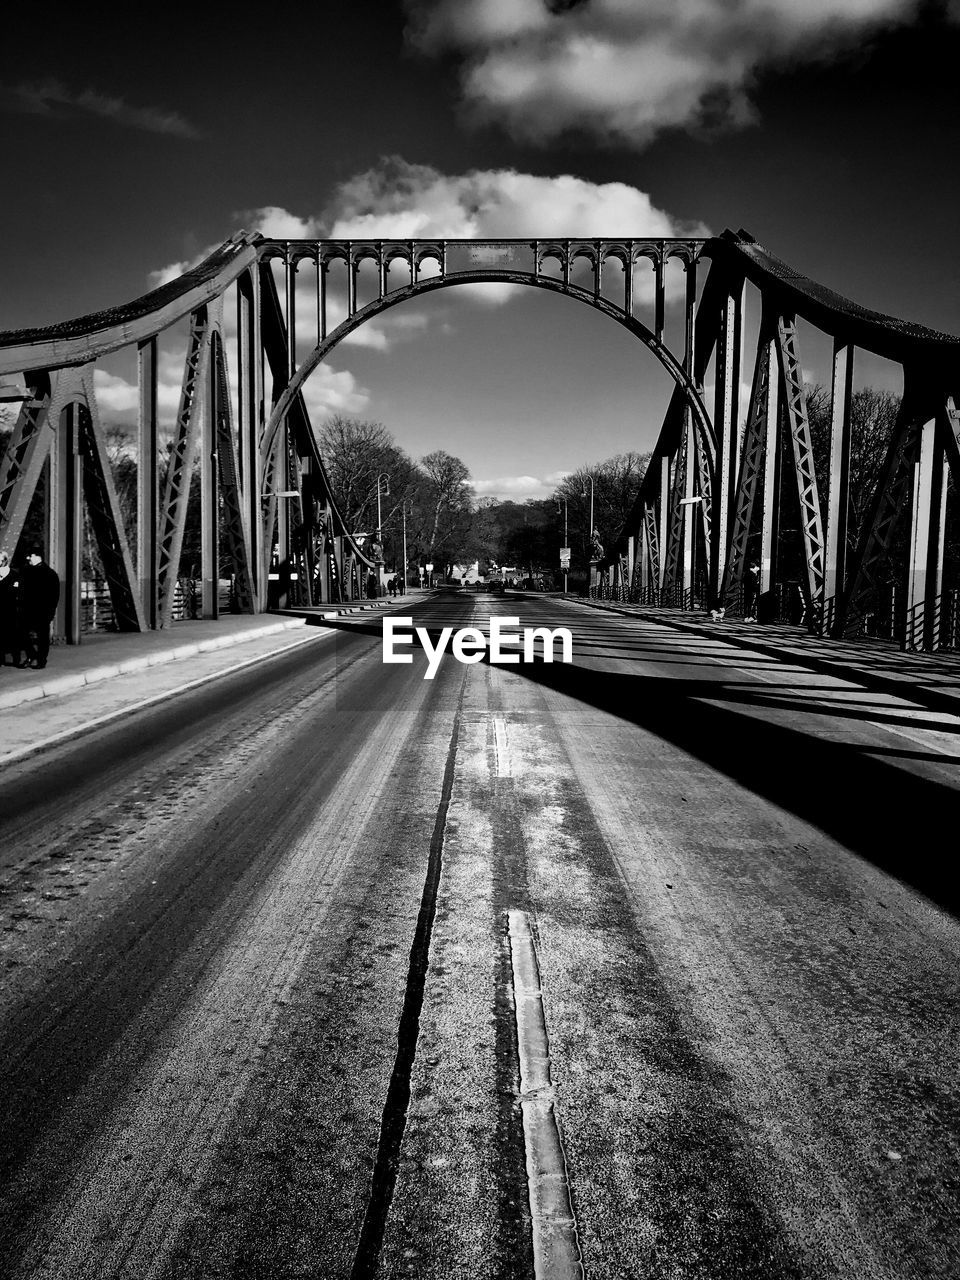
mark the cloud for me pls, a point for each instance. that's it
(381, 334)
(326, 391)
(624, 71)
(53, 98)
(396, 199)
(519, 488)
(333, 391)
(115, 396)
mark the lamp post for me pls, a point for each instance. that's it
(382, 476)
(404, 578)
(566, 544)
(592, 561)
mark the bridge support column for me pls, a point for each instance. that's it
(209, 499)
(925, 549)
(838, 501)
(727, 423)
(663, 521)
(64, 520)
(770, 520)
(148, 484)
(250, 400)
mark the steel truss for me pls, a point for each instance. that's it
(243, 455)
(745, 467)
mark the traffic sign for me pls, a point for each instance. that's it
(564, 557)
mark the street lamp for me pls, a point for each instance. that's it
(382, 476)
(565, 542)
(404, 576)
(583, 494)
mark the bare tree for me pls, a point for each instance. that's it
(873, 414)
(615, 484)
(354, 453)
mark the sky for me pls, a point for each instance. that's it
(827, 129)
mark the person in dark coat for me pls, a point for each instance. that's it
(9, 612)
(39, 596)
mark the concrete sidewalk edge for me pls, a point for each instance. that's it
(54, 685)
(88, 726)
(897, 686)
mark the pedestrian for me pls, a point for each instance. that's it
(392, 587)
(751, 591)
(9, 612)
(39, 596)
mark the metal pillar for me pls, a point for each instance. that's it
(925, 552)
(250, 353)
(663, 520)
(64, 512)
(838, 493)
(771, 485)
(148, 483)
(209, 498)
(726, 416)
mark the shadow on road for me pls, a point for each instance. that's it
(894, 818)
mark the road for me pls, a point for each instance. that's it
(257, 960)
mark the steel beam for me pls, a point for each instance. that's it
(232, 508)
(798, 423)
(148, 481)
(251, 423)
(64, 502)
(751, 464)
(26, 453)
(925, 545)
(173, 516)
(838, 492)
(891, 497)
(726, 425)
(210, 486)
(103, 510)
(770, 516)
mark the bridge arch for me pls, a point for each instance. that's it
(673, 365)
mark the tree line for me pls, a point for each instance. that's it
(448, 526)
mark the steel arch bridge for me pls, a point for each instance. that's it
(267, 511)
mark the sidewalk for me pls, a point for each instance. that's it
(930, 679)
(104, 655)
(111, 674)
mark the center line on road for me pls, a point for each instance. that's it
(393, 1123)
(503, 747)
(556, 1248)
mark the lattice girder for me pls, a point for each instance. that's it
(26, 453)
(890, 500)
(173, 515)
(798, 425)
(750, 473)
(237, 547)
(106, 519)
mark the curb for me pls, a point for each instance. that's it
(896, 686)
(88, 726)
(50, 688)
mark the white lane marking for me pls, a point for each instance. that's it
(556, 1248)
(504, 769)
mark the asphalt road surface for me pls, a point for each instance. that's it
(259, 1006)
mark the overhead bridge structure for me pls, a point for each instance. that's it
(253, 320)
